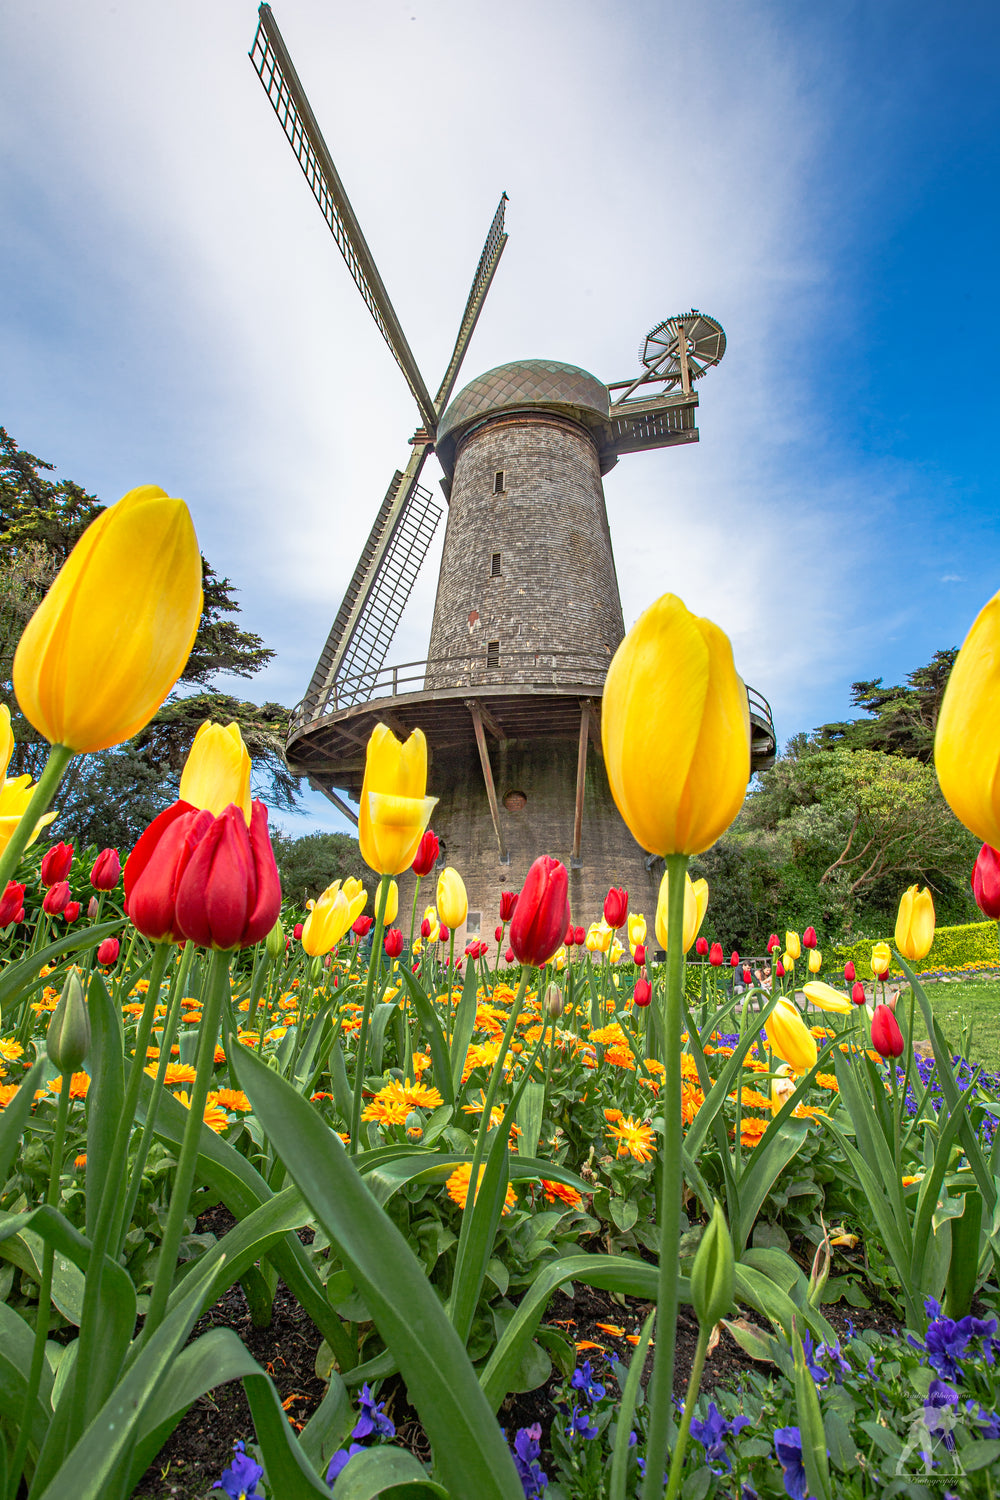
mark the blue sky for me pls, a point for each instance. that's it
(823, 180)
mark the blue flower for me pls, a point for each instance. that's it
(938, 1402)
(948, 1340)
(372, 1418)
(583, 1380)
(788, 1447)
(989, 1419)
(527, 1447)
(580, 1424)
(340, 1460)
(240, 1479)
(819, 1375)
(834, 1356)
(712, 1435)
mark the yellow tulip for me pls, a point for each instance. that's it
(14, 798)
(6, 740)
(452, 901)
(967, 741)
(559, 960)
(599, 936)
(675, 725)
(113, 633)
(217, 770)
(431, 916)
(793, 946)
(782, 1089)
(636, 930)
(815, 960)
(788, 961)
(790, 1037)
(616, 951)
(695, 907)
(327, 923)
(394, 809)
(881, 959)
(825, 997)
(915, 924)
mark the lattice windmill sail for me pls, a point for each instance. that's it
(527, 612)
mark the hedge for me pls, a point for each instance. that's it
(973, 945)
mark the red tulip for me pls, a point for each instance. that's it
(701, 946)
(415, 968)
(773, 942)
(579, 936)
(779, 969)
(297, 930)
(229, 895)
(640, 954)
(393, 942)
(616, 908)
(427, 854)
(510, 956)
(71, 910)
(809, 938)
(643, 992)
(57, 863)
(107, 870)
(734, 959)
(508, 904)
(425, 928)
(568, 939)
(747, 975)
(108, 951)
(19, 918)
(11, 903)
(56, 898)
(715, 955)
(498, 934)
(887, 1039)
(986, 882)
(155, 866)
(362, 926)
(443, 934)
(850, 972)
(542, 912)
(858, 993)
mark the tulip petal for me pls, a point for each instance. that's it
(966, 753)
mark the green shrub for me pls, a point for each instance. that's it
(973, 945)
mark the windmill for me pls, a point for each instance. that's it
(528, 612)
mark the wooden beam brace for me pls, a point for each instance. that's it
(484, 757)
(490, 723)
(338, 802)
(593, 715)
(581, 780)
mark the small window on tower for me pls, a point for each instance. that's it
(498, 482)
(493, 654)
(495, 570)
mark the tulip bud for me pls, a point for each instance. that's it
(93, 907)
(747, 975)
(779, 969)
(510, 956)
(715, 955)
(792, 946)
(498, 934)
(815, 960)
(887, 1039)
(820, 1271)
(616, 908)
(508, 904)
(56, 864)
(68, 1039)
(640, 954)
(297, 930)
(915, 924)
(108, 951)
(986, 882)
(427, 853)
(362, 926)
(542, 913)
(425, 928)
(275, 942)
(579, 936)
(56, 898)
(393, 942)
(554, 1002)
(713, 1275)
(881, 959)
(106, 871)
(643, 992)
(858, 993)
(773, 942)
(11, 903)
(701, 947)
(71, 911)
(19, 918)
(568, 939)
(850, 972)
(452, 899)
(734, 959)
(443, 934)
(809, 938)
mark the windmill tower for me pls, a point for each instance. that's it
(528, 613)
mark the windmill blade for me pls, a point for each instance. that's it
(488, 262)
(377, 594)
(276, 72)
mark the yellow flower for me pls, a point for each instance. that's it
(823, 995)
(636, 930)
(881, 959)
(14, 798)
(695, 907)
(113, 633)
(915, 924)
(788, 1035)
(634, 1138)
(217, 770)
(458, 1186)
(6, 739)
(675, 725)
(431, 916)
(329, 919)
(815, 960)
(391, 904)
(615, 952)
(394, 809)
(598, 939)
(793, 945)
(967, 742)
(452, 901)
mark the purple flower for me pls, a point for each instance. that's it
(712, 1435)
(580, 1424)
(948, 1340)
(239, 1480)
(788, 1447)
(834, 1356)
(372, 1418)
(340, 1460)
(819, 1375)
(527, 1447)
(989, 1419)
(583, 1380)
(938, 1416)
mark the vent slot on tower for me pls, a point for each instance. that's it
(498, 485)
(495, 569)
(493, 654)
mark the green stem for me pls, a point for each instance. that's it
(218, 981)
(44, 1294)
(374, 962)
(48, 784)
(677, 1463)
(661, 1384)
(491, 1088)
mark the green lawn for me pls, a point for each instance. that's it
(974, 1002)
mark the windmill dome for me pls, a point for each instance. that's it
(525, 385)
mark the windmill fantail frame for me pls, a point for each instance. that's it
(528, 612)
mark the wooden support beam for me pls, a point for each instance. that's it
(484, 757)
(490, 723)
(594, 721)
(581, 779)
(338, 802)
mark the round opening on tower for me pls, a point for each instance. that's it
(515, 801)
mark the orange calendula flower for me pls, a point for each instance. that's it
(611, 1115)
(7, 1092)
(458, 1186)
(634, 1138)
(753, 1099)
(828, 1081)
(176, 1073)
(620, 1057)
(233, 1099)
(751, 1131)
(692, 1099)
(215, 1118)
(558, 1192)
(80, 1162)
(78, 1085)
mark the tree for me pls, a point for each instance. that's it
(901, 720)
(307, 865)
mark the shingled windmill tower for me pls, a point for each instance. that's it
(528, 612)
